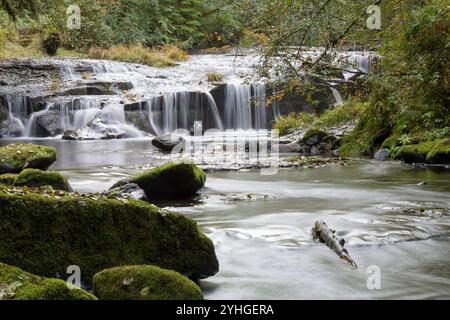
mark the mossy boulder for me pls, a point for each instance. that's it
(39, 178)
(436, 152)
(314, 136)
(440, 153)
(16, 157)
(171, 180)
(16, 284)
(45, 231)
(144, 283)
(8, 179)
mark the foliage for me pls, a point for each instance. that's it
(291, 122)
(214, 76)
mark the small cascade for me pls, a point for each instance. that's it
(18, 108)
(245, 107)
(105, 66)
(337, 95)
(68, 72)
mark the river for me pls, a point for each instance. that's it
(261, 225)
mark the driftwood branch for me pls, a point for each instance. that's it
(322, 233)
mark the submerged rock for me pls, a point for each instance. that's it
(144, 283)
(16, 157)
(168, 142)
(46, 231)
(97, 129)
(436, 152)
(16, 284)
(39, 178)
(171, 180)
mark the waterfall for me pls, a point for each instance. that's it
(337, 96)
(245, 107)
(17, 113)
(213, 107)
(68, 72)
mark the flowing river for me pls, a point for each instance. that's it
(261, 225)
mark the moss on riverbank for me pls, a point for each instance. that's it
(16, 157)
(38, 178)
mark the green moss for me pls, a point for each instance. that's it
(16, 157)
(171, 180)
(7, 179)
(144, 283)
(415, 153)
(45, 232)
(391, 142)
(39, 178)
(440, 153)
(16, 284)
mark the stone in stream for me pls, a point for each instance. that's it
(382, 155)
(97, 129)
(169, 142)
(145, 282)
(38, 178)
(45, 231)
(16, 157)
(127, 190)
(16, 284)
(173, 180)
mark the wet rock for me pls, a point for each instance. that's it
(127, 190)
(38, 178)
(382, 155)
(97, 129)
(169, 143)
(171, 180)
(16, 284)
(144, 283)
(96, 232)
(248, 197)
(16, 157)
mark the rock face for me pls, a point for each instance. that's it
(144, 283)
(382, 155)
(39, 178)
(45, 231)
(16, 157)
(314, 142)
(168, 142)
(172, 180)
(97, 129)
(437, 152)
(16, 284)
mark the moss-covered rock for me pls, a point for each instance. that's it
(8, 179)
(39, 178)
(16, 284)
(436, 152)
(45, 231)
(314, 136)
(440, 153)
(171, 180)
(144, 283)
(16, 157)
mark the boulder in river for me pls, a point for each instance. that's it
(169, 142)
(16, 157)
(16, 284)
(144, 282)
(97, 129)
(45, 231)
(39, 178)
(171, 180)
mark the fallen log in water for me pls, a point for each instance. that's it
(322, 233)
